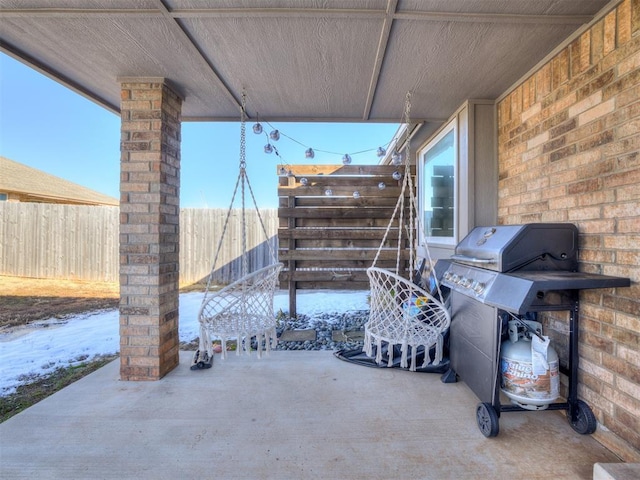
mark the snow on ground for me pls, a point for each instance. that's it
(40, 348)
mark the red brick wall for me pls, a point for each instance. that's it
(149, 229)
(568, 151)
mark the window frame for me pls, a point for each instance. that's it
(451, 126)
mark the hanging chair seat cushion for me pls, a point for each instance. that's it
(402, 313)
(240, 311)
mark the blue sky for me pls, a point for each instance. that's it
(47, 126)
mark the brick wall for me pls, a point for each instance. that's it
(568, 151)
(149, 229)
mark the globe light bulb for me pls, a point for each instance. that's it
(396, 158)
(257, 128)
(283, 171)
(274, 135)
(309, 153)
(346, 159)
(396, 175)
(268, 148)
(328, 192)
(381, 152)
(304, 182)
(382, 186)
(290, 173)
(356, 194)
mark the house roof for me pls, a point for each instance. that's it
(297, 60)
(40, 186)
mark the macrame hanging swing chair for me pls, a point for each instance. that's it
(243, 310)
(402, 313)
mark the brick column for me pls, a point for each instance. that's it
(149, 228)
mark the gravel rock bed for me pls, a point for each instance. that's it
(324, 325)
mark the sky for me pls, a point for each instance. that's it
(41, 347)
(47, 126)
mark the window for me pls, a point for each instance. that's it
(458, 178)
(437, 199)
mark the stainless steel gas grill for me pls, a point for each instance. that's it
(512, 272)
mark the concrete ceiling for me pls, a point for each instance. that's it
(297, 60)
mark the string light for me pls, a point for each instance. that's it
(382, 185)
(396, 175)
(328, 192)
(304, 182)
(310, 152)
(356, 194)
(269, 147)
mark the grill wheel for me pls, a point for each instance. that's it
(585, 422)
(487, 419)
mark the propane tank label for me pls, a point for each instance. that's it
(539, 360)
(519, 379)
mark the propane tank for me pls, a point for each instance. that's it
(529, 365)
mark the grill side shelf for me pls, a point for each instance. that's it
(561, 280)
(521, 292)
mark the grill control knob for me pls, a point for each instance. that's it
(465, 282)
(447, 275)
(455, 278)
(479, 288)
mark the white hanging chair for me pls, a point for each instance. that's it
(243, 310)
(402, 312)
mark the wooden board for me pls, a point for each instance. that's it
(328, 241)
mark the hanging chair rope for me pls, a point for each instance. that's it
(241, 181)
(398, 212)
(242, 310)
(401, 312)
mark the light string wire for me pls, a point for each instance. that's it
(287, 164)
(385, 145)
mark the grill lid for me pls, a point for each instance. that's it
(533, 246)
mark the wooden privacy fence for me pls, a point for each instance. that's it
(45, 240)
(332, 219)
(79, 242)
(200, 231)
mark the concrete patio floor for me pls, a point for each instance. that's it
(292, 415)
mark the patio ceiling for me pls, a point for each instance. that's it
(298, 60)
